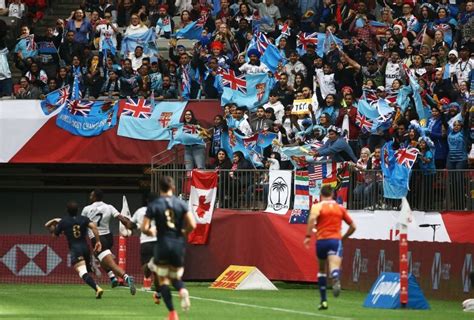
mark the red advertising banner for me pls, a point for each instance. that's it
(441, 269)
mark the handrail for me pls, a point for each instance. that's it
(443, 190)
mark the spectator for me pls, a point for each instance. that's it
(166, 91)
(457, 155)
(111, 86)
(107, 31)
(260, 122)
(194, 155)
(25, 48)
(16, 9)
(5, 74)
(336, 147)
(37, 77)
(70, 48)
(81, 26)
(268, 12)
(27, 91)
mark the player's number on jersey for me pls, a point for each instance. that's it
(170, 218)
(100, 215)
(76, 231)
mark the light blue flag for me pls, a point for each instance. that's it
(323, 42)
(130, 42)
(396, 169)
(87, 118)
(185, 134)
(298, 155)
(108, 46)
(423, 113)
(271, 57)
(192, 31)
(164, 24)
(216, 7)
(55, 100)
(403, 97)
(258, 89)
(154, 128)
(368, 110)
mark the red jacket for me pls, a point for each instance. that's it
(354, 129)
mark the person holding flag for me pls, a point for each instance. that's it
(164, 24)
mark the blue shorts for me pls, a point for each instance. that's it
(328, 247)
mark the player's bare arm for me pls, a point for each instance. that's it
(146, 227)
(51, 225)
(127, 222)
(98, 245)
(189, 223)
(311, 223)
(350, 231)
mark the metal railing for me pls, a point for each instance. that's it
(248, 189)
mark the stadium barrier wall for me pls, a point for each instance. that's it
(444, 190)
(441, 269)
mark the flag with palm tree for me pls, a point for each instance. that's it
(279, 191)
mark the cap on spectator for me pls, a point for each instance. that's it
(334, 129)
(454, 105)
(277, 123)
(409, 2)
(397, 26)
(311, 45)
(464, 48)
(180, 46)
(347, 89)
(320, 129)
(381, 88)
(253, 52)
(372, 61)
(444, 101)
(204, 9)
(242, 108)
(453, 52)
(163, 6)
(217, 45)
(307, 122)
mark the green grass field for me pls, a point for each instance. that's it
(292, 301)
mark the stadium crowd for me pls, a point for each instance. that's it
(382, 42)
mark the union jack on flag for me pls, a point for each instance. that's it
(285, 30)
(364, 124)
(63, 95)
(138, 109)
(370, 96)
(80, 108)
(229, 79)
(306, 38)
(261, 41)
(407, 157)
(201, 22)
(190, 129)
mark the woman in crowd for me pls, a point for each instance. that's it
(216, 132)
(136, 26)
(80, 25)
(457, 155)
(194, 155)
(239, 177)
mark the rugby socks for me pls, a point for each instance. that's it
(125, 277)
(178, 284)
(111, 275)
(335, 274)
(322, 282)
(88, 279)
(166, 295)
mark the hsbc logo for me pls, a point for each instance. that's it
(381, 263)
(466, 270)
(436, 271)
(356, 262)
(31, 260)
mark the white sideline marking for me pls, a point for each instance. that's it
(256, 306)
(270, 308)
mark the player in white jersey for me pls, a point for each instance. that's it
(101, 213)
(147, 243)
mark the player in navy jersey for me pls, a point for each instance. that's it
(75, 229)
(173, 222)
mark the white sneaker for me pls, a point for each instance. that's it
(185, 302)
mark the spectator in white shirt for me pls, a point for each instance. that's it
(254, 65)
(16, 9)
(137, 57)
(325, 80)
(276, 105)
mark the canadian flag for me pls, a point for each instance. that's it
(201, 203)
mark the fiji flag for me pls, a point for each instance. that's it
(55, 100)
(248, 145)
(298, 155)
(272, 57)
(108, 46)
(163, 24)
(87, 118)
(396, 169)
(137, 123)
(258, 89)
(131, 41)
(46, 47)
(185, 134)
(423, 113)
(322, 41)
(192, 31)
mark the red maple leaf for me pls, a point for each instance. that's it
(203, 206)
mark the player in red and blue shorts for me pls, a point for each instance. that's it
(327, 216)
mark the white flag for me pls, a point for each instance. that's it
(125, 212)
(279, 191)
